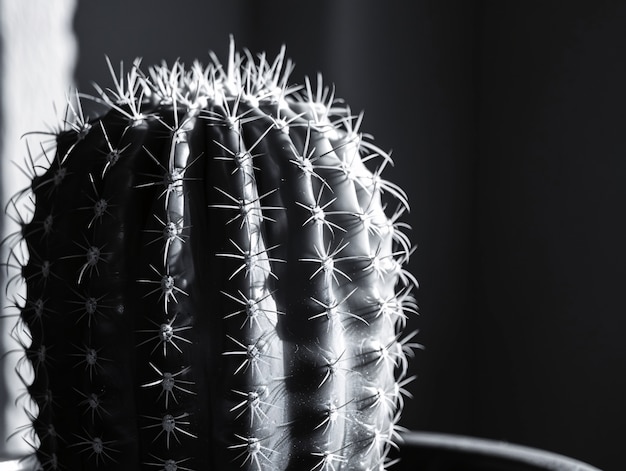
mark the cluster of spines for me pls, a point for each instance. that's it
(312, 374)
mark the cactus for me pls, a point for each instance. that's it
(214, 273)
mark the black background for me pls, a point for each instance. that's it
(507, 122)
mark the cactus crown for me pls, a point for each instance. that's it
(213, 276)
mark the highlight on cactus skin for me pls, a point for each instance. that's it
(212, 277)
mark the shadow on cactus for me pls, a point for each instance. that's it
(213, 278)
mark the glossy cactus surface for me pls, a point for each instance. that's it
(213, 273)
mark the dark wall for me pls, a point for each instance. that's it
(506, 122)
(549, 259)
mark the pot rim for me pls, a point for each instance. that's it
(542, 459)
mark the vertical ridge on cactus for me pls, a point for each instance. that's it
(213, 277)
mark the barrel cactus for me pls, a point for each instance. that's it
(214, 277)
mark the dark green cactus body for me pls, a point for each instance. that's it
(213, 281)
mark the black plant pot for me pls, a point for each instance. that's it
(425, 451)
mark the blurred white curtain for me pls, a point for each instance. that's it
(37, 57)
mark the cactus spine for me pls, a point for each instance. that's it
(214, 278)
